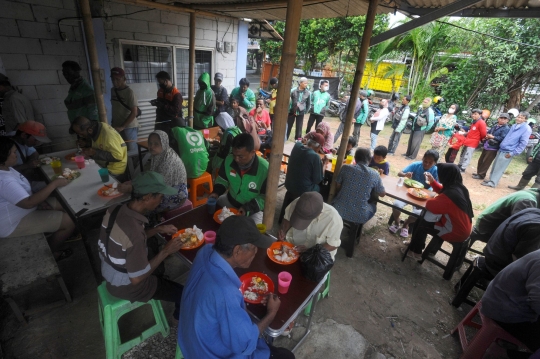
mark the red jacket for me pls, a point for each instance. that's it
(456, 141)
(454, 225)
(477, 132)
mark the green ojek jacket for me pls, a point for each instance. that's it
(247, 190)
(193, 150)
(248, 102)
(364, 110)
(320, 101)
(204, 104)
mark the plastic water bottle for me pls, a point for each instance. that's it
(400, 181)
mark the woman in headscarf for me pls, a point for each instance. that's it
(245, 123)
(167, 163)
(449, 215)
(444, 130)
(324, 129)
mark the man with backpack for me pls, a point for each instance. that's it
(124, 109)
(424, 120)
(399, 122)
(361, 111)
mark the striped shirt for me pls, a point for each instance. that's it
(126, 249)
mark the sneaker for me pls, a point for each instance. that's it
(475, 176)
(404, 232)
(287, 332)
(393, 228)
(488, 184)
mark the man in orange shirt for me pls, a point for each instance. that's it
(169, 105)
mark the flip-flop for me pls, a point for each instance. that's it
(66, 253)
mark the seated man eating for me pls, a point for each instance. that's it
(108, 147)
(211, 302)
(243, 174)
(416, 172)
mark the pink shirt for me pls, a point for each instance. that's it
(264, 116)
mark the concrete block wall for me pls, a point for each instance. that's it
(164, 27)
(32, 52)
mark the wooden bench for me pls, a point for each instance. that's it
(26, 261)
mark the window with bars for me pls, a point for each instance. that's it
(142, 63)
(203, 63)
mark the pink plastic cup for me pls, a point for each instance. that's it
(210, 237)
(80, 161)
(284, 281)
(206, 134)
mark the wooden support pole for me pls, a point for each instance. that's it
(364, 47)
(94, 62)
(191, 84)
(288, 59)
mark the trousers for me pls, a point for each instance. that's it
(413, 146)
(313, 118)
(299, 119)
(533, 169)
(393, 142)
(485, 160)
(466, 157)
(499, 166)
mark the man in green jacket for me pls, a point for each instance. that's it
(319, 102)
(243, 174)
(362, 116)
(244, 95)
(399, 121)
(204, 103)
(193, 150)
(80, 100)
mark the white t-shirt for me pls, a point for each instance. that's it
(14, 187)
(27, 151)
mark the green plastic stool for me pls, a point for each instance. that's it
(112, 308)
(179, 354)
(324, 294)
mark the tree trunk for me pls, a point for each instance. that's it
(534, 103)
(515, 98)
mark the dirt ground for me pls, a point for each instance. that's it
(401, 308)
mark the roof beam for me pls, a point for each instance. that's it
(477, 12)
(422, 20)
(173, 8)
(257, 5)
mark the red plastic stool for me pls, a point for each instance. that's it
(488, 332)
(194, 184)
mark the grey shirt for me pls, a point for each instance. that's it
(16, 109)
(514, 295)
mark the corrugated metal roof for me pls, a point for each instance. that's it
(490, 4)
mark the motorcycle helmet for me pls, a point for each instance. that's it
(369, 93)
(273, 81)
(438, 100)
(514, 112)
(486, 114)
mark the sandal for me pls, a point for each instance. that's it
(404, 232)
(393, 228)
(66, 253)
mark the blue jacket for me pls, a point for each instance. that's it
(499, 134)
(516, 140)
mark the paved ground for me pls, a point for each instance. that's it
(378, 306)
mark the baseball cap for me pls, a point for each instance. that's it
(218, 76)
(35, 129)
(151, 182)
(117, 72)
(317, 137)
(504, 115)
(308, 207)
(237, 230)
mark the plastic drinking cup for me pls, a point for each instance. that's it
(104, 174)
(210, 237)
(80, 161)
(57, 167)
(334, 161)
(211, 203)
(206, 134)
(284, 281)
(349, 160)
(262, 228)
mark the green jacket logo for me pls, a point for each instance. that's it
(194, 138)
(252, 185)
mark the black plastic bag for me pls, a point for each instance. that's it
(316, 262)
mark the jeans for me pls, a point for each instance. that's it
(373, 140)
(393, 142)
(499, 166)
(339, 131)
(130, 134)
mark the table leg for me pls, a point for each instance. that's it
(419, 218)
(308, 327)
(93, 260)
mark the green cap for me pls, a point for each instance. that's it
(151, 182)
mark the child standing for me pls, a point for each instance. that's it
(454, 144)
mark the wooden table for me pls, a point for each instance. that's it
(301, 291)
(400, 193)
(80, 197)
(142, 146)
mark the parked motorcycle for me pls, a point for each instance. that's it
(265, 95)
(335, 107)
(533, 141)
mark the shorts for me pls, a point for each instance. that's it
(39, 221)
(400, 204)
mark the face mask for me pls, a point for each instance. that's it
(451, 110)
(325, 88)
(163, 86)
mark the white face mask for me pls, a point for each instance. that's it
(451, 110)
(324, 88)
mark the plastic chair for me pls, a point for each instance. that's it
(324, 294)
(187, 206)
(456, 256)
(475, 276)
(476, 236)
(194, 184)
(488, 332)
(179, 354)
(112, 308)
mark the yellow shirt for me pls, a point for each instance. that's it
(326, 228)
(109, 140)
(272, 101)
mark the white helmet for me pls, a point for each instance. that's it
(514, 112)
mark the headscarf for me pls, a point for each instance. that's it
(224, 120)
(453, 188)
(328, 136)
(167, 163)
